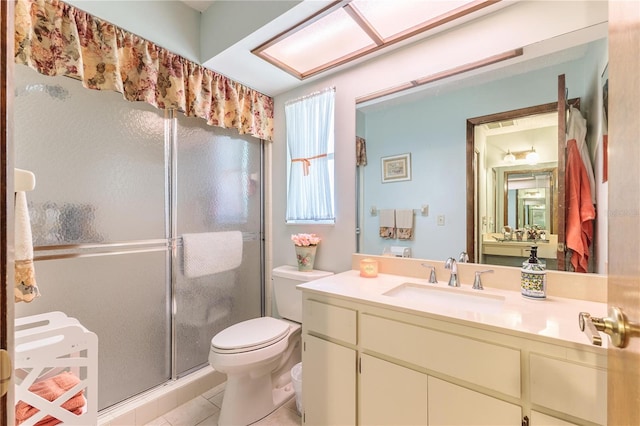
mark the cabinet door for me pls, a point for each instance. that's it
(540, 419)
(450, 404)
(390, 394)
(328, 383)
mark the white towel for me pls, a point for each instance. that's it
(25, 288)
(388, 223)
(404, 224)
(211, 252)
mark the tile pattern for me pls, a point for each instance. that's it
(204, 410)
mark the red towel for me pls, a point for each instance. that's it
(580, 210)
(51, 389)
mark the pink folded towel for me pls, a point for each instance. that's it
(51, 389)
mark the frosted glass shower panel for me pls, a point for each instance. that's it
(98, 161)
(218, 178)
(219, 189)
(123, 299)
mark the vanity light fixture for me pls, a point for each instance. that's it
(509, 157)
(532, 156)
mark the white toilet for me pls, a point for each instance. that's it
(257, 355)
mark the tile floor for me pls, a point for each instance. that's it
(205, 409)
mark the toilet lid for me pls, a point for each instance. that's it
(254, 333)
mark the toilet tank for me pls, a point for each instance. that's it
(288, 298)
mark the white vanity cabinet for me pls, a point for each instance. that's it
(440, 358)
(369, 364)
(329, 381)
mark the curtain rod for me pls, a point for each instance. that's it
(316, 93)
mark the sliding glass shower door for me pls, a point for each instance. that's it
(116, 184)
(218, 189)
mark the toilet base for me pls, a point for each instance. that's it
(263, 399)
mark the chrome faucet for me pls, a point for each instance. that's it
(453, 265)
(432, 276)
(477, 283)
(464, 257)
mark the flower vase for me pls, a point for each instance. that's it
(305, 255)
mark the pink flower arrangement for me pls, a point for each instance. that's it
(304, 240)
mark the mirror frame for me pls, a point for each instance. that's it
(472, 171)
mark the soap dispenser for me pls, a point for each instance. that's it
(533, 277)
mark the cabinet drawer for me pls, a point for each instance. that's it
(494, 367)
(575, 389)
(331, 321)
(503, 250)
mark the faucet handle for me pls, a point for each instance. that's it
(477, 282)
(432, 275)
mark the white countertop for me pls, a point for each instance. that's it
(549, 319)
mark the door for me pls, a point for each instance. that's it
(6, 205)
(624, 205)
(329, 387)
(390, 394)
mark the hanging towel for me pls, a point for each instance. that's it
(404, 224)
(580, 210)
(388, 224)
(211, 252)
(577, 129)
(25, 289)
(52, 389)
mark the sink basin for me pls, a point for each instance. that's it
(451, 297)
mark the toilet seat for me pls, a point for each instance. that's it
(250, 335)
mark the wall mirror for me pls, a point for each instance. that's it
(528, 199)
(515, 201)
(430, 124)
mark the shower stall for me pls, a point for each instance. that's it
(117, 185)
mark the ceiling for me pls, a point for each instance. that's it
(199, 5)
(230, 54)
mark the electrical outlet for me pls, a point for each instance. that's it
(441, 220)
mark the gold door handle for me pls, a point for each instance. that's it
(5, 371)
(615, 325)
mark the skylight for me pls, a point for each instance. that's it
(349, 29)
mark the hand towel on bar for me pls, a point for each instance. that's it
(388, 224)
(404, 224)
(211, 252)
(25, 288)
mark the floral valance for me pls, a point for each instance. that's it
(54, 38)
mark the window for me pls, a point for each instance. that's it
(310, 143)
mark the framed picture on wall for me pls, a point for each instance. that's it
(396, 168)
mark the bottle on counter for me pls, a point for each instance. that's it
(533, 277)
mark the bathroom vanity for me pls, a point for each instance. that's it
(496, 251)
(397, 350)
